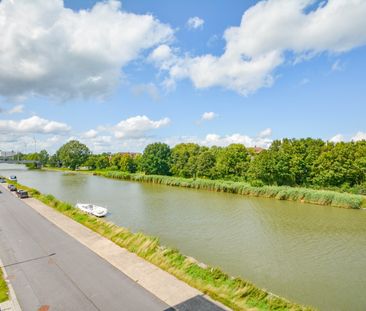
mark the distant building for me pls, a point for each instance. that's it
(258, 149)
(7, 154)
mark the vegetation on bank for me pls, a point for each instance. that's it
(322, 197)
(4, 292)
(308, 163)
(236, 293)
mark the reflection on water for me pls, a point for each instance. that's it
(310, 254)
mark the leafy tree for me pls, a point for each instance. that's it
(115, 160)
(184, 159)
(156, 159)
(340, 164)
(206, 162)
(127, 163)
(73, 154)
(54, 161)
(272, 167)
(233, 161)
(91, 162)
(43, 157)
(102, 162)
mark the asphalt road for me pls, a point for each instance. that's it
(74, 278)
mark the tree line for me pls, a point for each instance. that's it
(292, 162)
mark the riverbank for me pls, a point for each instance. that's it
(234, 292)
(297, 194)
(304, 195)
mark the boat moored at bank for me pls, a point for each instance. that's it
(92, 209)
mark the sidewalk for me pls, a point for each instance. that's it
(12, 304)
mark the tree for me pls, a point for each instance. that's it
(206, 162)
(340, 164)
(54, 161)
(184, 159)
(73, 154)
(102, 162)
(43, 157)
(156, 159)
(233, 161)
(115, 160)
(272, 167)
(127, 163)
(91, 162)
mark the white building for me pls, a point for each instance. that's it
(7, 154)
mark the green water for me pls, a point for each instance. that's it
(314, 255)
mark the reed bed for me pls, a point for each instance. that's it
(236, 293)
(304, 195)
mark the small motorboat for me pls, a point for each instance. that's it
(13, 178)
(93, 209)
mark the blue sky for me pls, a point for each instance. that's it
(117, 83)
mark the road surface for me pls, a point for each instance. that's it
(49, 270)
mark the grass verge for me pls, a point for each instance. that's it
(236, 293)
(305, 195)
(4, 292)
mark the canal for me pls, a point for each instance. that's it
(310, 254)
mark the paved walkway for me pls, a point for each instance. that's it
(95, 277)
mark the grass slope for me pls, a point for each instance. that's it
(4, 295)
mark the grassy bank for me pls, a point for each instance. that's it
(236, 293)
(321, 197)
(4, 294)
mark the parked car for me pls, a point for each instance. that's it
(12, 187)
(22, 194)
(2, 180)
(13, 178)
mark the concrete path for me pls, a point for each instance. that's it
(109, 284)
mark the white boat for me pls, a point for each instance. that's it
(93, 209)
(13, 178)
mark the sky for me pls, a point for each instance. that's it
(118, 75)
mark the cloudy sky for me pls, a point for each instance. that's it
(118, 75)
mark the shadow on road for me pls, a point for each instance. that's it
(197, 303)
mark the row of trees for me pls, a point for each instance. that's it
(302, 162)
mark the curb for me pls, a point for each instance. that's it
(12, 304)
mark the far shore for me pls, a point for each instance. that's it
(298, 194)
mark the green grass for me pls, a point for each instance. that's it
(304, 195)
(4, 295)
(236, 293)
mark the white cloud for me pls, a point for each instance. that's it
(50, 50)
(337, 138)
(207, 116)
(137, 127)
(265, 133)
(33, 124)
(195, 22)
(261, 140)
(90, 134)
(255, 48)
(359, 136)
(247, 141)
